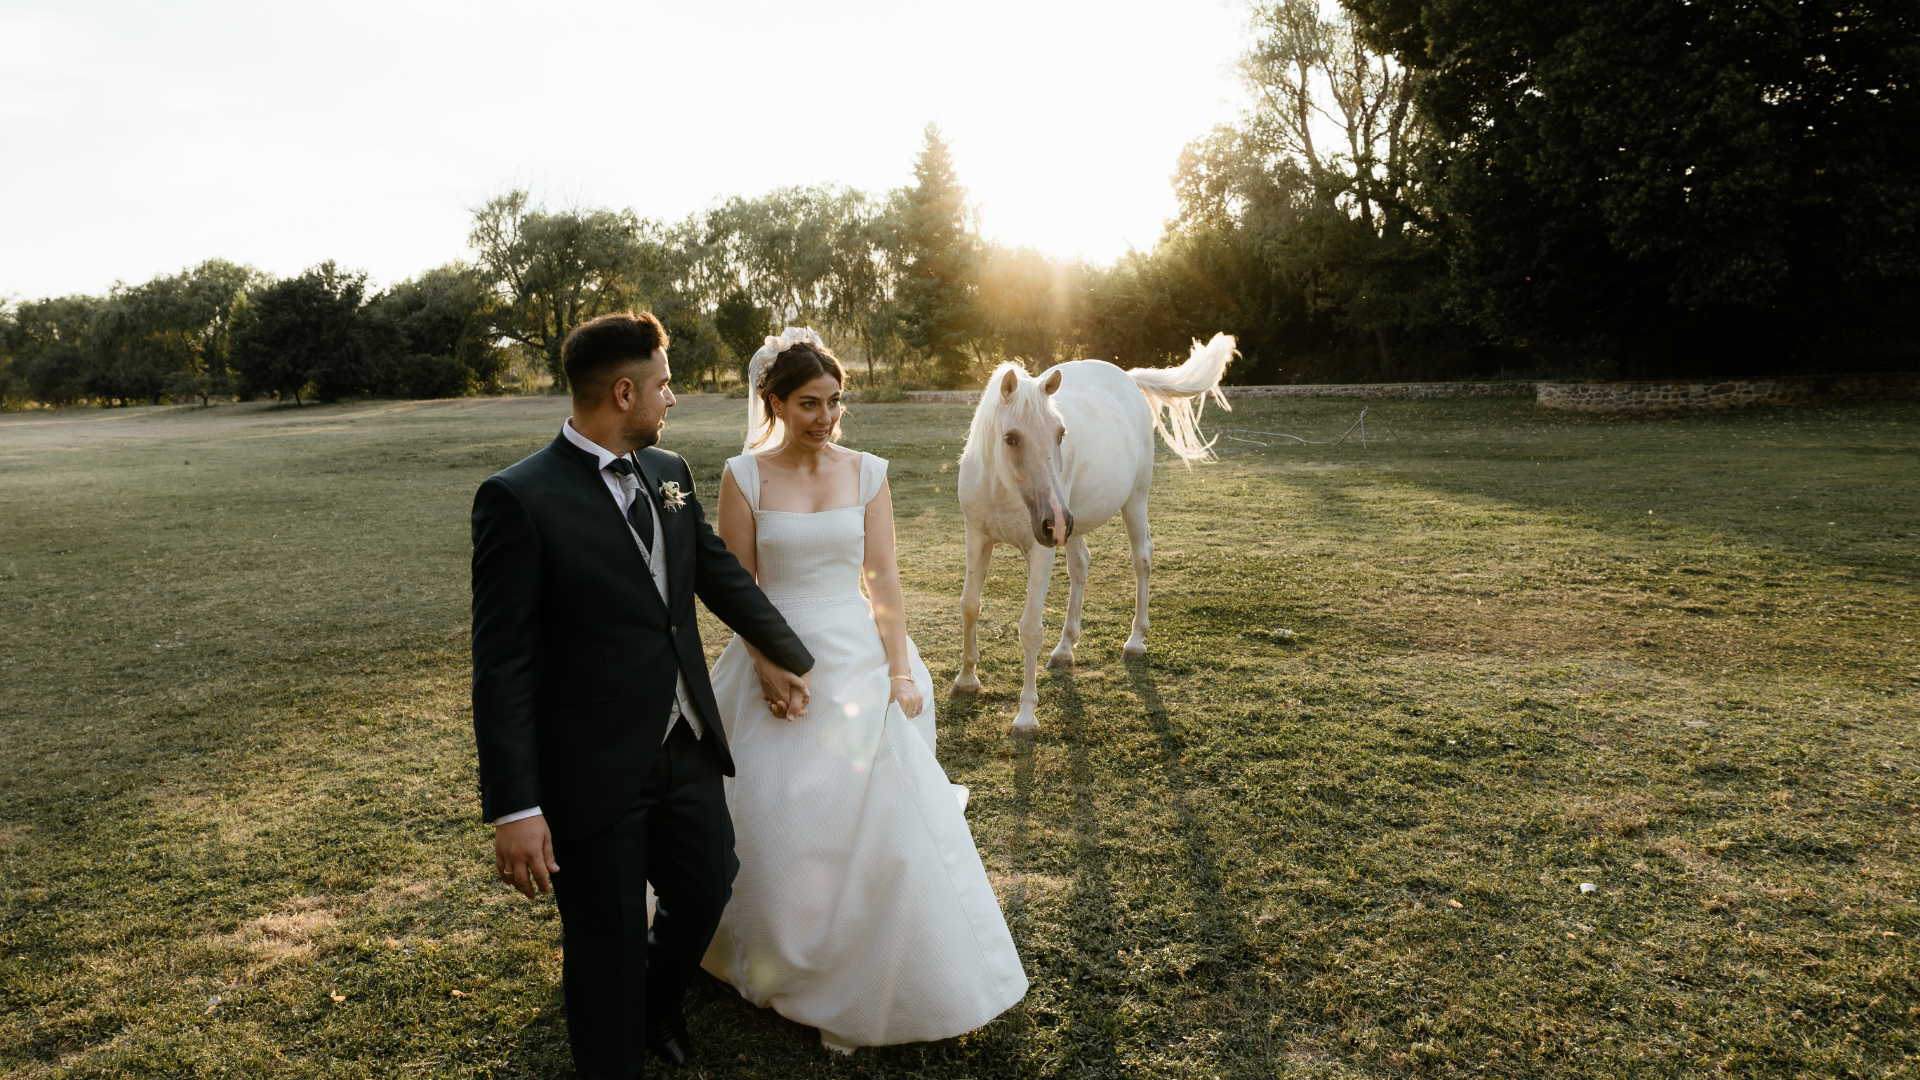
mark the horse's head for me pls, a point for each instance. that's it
(1018, 429)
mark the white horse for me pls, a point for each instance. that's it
(1053, 458)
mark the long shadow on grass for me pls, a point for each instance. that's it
(1225, 949)
(1093, 926)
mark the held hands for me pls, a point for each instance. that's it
(523, 855)
(906, 695)
(786, 693)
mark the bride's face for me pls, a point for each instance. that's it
(811, 412)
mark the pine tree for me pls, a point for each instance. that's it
(941, 257)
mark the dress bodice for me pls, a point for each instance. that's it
(806, 559)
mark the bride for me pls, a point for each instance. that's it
(861, 907)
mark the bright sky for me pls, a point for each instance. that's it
(145, 137)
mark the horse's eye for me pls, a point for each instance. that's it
(1013, 438)
(1061, 436)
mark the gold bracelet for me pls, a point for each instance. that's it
(897, 678)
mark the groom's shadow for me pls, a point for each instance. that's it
(540, 1046)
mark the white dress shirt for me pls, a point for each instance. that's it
(624, 490)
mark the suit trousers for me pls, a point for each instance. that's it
(617, 974)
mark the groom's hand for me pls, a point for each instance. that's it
(786, 693)
(523, 855)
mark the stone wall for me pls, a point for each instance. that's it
(1361, 390)
(1720, 394)
(1578, 397)
(1386, 390)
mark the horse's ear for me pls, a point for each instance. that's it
(1052, 383)
(1008, 383)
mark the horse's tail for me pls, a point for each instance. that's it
(1177, 396)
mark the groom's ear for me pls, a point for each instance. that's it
(625, 381)
(623, 392)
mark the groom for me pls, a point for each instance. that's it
(601, 748)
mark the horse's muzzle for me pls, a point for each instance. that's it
(1046, 528)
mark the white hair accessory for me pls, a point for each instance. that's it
(756, 391)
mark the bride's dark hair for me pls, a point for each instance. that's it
(800, 364)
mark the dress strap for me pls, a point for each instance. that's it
(873, 473)
(746, 474)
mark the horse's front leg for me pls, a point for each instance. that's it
(1061, 659)
(1140, 541)
(1039, 573)
(979, 557)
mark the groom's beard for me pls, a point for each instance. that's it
(641, 436)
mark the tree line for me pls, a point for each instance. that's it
(1416, 189)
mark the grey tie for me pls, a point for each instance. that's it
(641, 521)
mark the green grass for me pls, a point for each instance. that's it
(235, 758)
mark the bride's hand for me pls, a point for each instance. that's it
(907, 695)
(785, 692)
(775, 704)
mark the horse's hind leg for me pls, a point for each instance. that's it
(979, 556)
(1077, 556)
(1141, 543)
(1039, 575)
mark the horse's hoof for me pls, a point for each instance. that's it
(1133, 652)
(1059, 662)
(960, 691)
(1024, 731)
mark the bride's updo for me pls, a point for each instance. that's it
(800, 363)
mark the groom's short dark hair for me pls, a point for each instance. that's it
(598, 345)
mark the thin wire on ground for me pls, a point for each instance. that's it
(1359, 425)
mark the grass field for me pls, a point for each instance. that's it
(1673, 658)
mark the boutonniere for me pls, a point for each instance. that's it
(671, 497)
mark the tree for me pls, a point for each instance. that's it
(13, 386)
(433, 335)
(1025, 304)
(939, 262)
(821, 251)
(306, 330)
(47, 341)
(1702, 186)
(554, 271)
(1318, 180)
(167, 336)
(742, 324)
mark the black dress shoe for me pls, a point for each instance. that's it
(671, 1044)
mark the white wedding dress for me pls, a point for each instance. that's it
(861, 908)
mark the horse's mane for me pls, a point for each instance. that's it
(1028, 401)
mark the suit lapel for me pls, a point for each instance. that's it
(647, 479)
(678, 554)
(590, 473)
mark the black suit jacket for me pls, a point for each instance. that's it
(574, 653)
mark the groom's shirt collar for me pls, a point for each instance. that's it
(601, 454)
(603, 457)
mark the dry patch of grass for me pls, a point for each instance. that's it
(290, 933)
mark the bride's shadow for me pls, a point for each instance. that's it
(1093, 989)
(1211, 900)
(1221, 939)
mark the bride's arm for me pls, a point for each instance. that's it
(882, 572)
(738, 533)
(736, 524)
